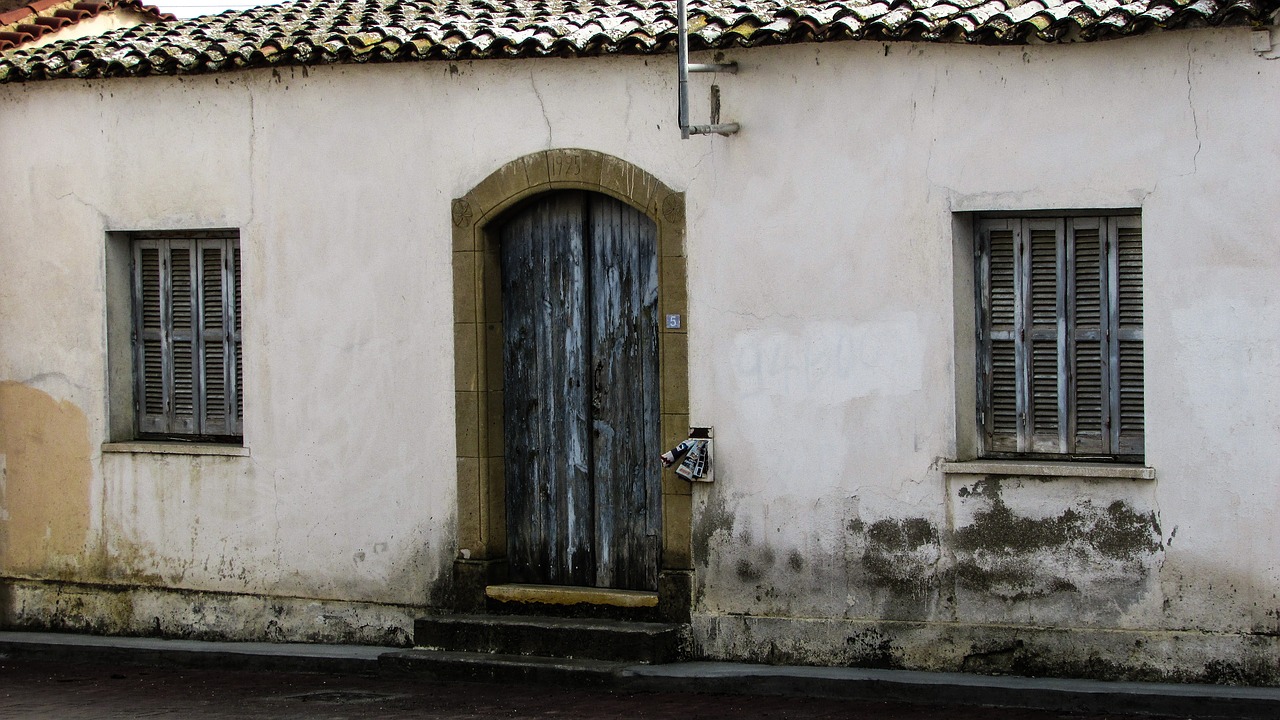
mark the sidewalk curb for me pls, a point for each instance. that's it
(198, 654)
(1053, 694)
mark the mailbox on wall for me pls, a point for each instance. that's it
(692, 457)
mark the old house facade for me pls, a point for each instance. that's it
(322, 316)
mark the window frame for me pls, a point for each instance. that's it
(1117, 336)
(207, 326)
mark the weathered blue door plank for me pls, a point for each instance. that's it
(580, 291)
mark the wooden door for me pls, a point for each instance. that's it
(580, 384)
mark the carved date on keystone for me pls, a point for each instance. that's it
(566, 165)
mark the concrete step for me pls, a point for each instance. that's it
(559, 637)
(495, 667)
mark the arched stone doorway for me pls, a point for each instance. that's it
(479, 365)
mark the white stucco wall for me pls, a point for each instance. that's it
(822, 319)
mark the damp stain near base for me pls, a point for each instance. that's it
(1015, 557)
(902, 555)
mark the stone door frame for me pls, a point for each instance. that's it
(478, 371)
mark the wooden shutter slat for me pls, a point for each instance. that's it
(181, 363)
(1128, 375)
(1089, 406)
(1088, 319)
(149, 338)
(153, 378)
(213, 339)
(1043, 246)
(1132, 423)
(997, 296)
(237, 395)
(1044, 389)
(1002, 269)
(184, 405)
(1129, 276)
(1004, 388)
(149, 271)
(1044, 299)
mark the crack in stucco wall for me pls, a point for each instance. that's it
(1195, 118)
(542, 105)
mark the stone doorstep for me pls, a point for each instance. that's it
(570, 601)
(568, 595)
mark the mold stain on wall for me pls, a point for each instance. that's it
(899, 565)
(1015, 557)
(1016, 551)
(45, 483)
(902, 555)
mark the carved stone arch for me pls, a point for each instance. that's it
(481, 512)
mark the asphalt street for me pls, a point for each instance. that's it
(42, 689)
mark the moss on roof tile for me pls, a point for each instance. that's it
(340, 31)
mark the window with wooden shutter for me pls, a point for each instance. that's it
(1060, 336)
(186, 297)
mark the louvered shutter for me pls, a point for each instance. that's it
(164, 300)
(185, 410)
(215, 338)
(998, 287)
(187, 333)
(237, 396)
(1060, 336)
(150, 336)
(1043, 411)
(1128, 425)
(1090, 381)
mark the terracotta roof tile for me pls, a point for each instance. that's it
(36, 19)
(12, 38)
(53, 22)
(346, 31)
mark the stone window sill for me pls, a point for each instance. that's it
(1046, 468)
(176, 448)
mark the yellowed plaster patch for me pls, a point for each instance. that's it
(44, 496)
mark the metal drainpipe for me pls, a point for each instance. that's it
(682, 57)
(682, 54)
